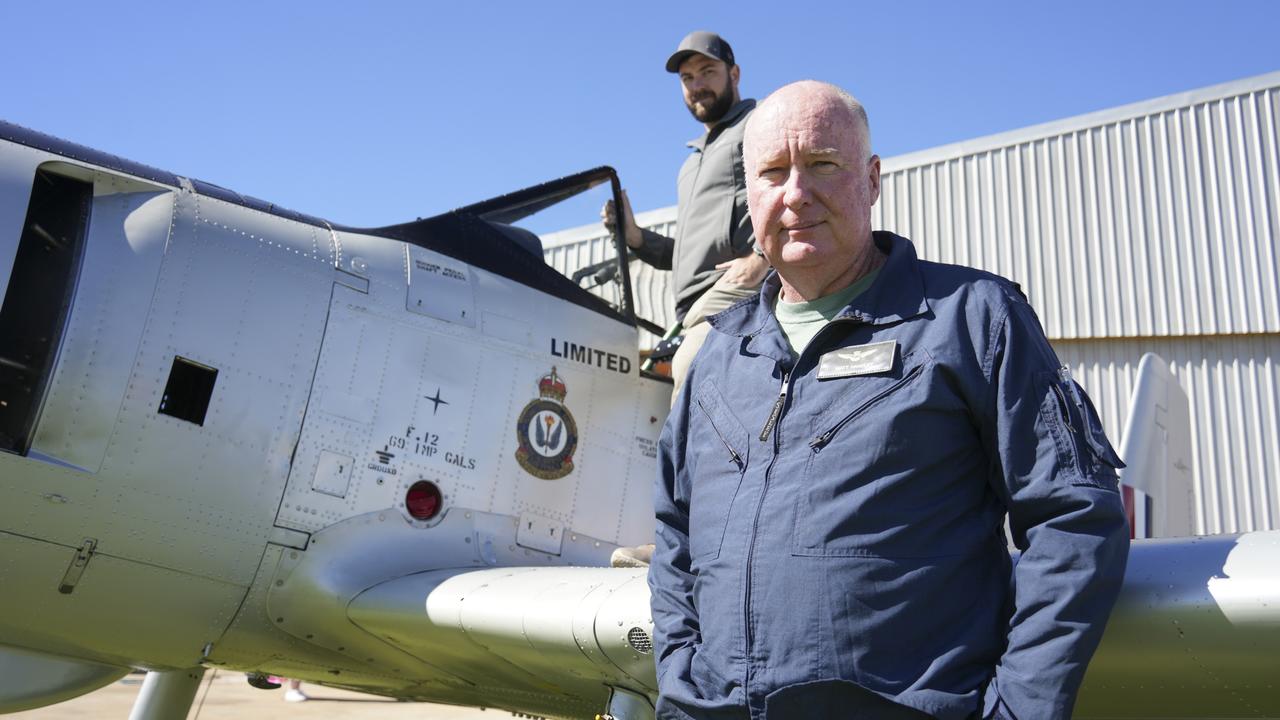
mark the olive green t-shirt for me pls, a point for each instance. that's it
(802, 320)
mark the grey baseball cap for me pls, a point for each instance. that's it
(702, 43)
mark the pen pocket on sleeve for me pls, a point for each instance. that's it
(1083, 447)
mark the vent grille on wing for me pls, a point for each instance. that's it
(639, 640)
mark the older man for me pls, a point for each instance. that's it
(710, 257)
(836, 475)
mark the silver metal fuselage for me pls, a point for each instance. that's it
(348, 367)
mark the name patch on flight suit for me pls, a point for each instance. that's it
(858, 360)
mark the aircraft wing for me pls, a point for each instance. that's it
(1195, 634)
(463, 616)
(555, 631)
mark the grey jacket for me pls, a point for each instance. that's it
(712, 225)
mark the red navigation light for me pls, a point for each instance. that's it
(423, 501)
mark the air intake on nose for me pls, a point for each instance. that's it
(38, 300)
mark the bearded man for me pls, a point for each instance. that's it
(710, 258)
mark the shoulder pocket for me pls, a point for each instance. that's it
(719, 448)
(1082, 444)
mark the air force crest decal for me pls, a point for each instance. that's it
(546, 432)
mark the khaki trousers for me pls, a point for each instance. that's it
(718, 297)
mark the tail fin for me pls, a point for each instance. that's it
(1157, 450)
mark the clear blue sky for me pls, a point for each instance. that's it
(375, 113)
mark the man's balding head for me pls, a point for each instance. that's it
(811, 182)
(816, 91)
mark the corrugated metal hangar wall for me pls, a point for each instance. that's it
(1146, 228)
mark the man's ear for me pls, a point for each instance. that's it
(873, 177)
(734, 75)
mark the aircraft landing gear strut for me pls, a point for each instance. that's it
(627, 705)
(167, 695)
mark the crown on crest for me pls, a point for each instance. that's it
(552, 387)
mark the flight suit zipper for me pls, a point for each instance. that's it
(770, 424)
(771, 427)
(776, 412)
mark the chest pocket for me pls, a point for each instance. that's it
(720, 447)
(845, 507)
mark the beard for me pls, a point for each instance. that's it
(710, 106)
